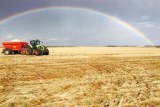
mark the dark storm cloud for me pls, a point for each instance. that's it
(142, 14)
(71, 27)
(131, 10)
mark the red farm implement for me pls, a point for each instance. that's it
(13, 47)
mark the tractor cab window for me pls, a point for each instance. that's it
(35, 42)
(39, 42)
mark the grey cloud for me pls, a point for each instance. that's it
(150, 29)
(82, 28)
(57, 39)
(143, 14)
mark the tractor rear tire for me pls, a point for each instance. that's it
(38, 52)
(7, 51)
(29, 50)
(46, 52)
(23, 52)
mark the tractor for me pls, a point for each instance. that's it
(35, 48)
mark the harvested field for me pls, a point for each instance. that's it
(82, 76)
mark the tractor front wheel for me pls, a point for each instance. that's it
(46, 52)
(7, 51)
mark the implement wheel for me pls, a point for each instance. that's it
(7, 51)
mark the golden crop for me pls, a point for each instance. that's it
(82, 76)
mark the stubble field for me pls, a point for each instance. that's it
(82, 76)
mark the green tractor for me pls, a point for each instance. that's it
(35, 48)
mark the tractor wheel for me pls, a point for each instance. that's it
(28, 50)
(7, 51)
(38, 52)
(46, 52)
(23, 52)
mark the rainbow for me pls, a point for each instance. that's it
(118, 21)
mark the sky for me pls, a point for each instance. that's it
(82, 22)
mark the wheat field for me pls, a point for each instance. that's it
(82, 77)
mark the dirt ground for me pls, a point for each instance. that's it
(82, 76)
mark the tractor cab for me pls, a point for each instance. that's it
(36, 42)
